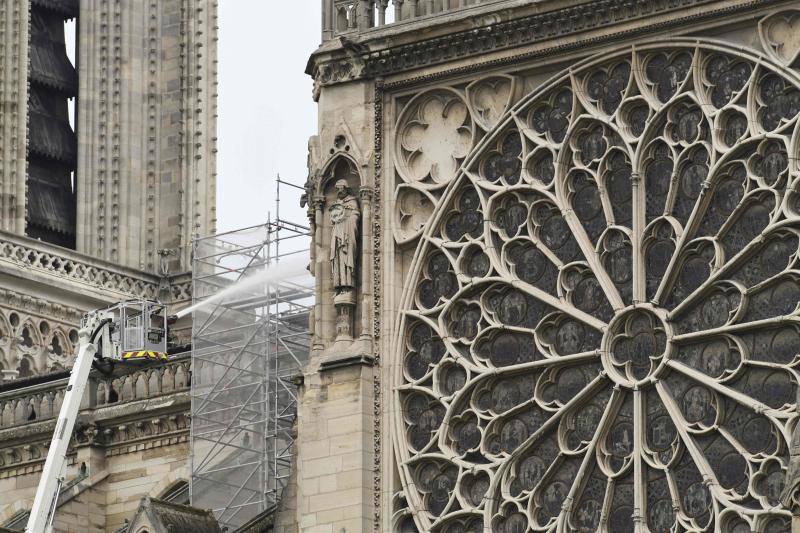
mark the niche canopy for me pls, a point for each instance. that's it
(615, 341)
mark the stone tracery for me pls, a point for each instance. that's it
(435, 137)
(603, 327)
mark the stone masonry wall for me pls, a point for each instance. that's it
(334, 452)
(147, 129)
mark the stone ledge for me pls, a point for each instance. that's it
(373, 55)
(345, 360)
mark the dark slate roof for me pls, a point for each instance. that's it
(17, 522)
(50, 65)
(177, 518)
(51, 137)
(50, 206)
(261, 523)
(68, 8)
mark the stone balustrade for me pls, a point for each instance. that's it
(345, 16)
(59, 265)
(43, 401)
(38, 335)
(67, 265)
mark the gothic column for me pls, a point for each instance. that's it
(366, 255)
(13, 120)
(320, 322)
(364, 14)
(327, 19)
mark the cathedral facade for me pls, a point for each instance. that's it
(98, 206)
(574, 304)
(555, 247)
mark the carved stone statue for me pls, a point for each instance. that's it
(344, 216)
(344, 233)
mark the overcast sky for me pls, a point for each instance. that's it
(266, 113)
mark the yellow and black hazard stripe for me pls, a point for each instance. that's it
(144, 354)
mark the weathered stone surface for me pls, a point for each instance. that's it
(581, 254)
(133, 446)
(145, 182)
(576, 248)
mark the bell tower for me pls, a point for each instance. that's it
(101, 205)
(135, 172)
(146, 129)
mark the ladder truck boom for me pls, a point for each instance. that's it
(44, 504)
(130, 332)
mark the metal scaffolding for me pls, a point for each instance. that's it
(247, 346)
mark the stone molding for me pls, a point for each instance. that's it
(121, 439)
(40, 307)
(346, 360)
(138, 435)
(181, 474)
(39, 452)
(343, 17)
(354, 60)
(777, 33)
(62, 264)
(42, 332)
(377, 308)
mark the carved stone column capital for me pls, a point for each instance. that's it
(366, 193)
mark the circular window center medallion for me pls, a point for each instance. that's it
(635, 345)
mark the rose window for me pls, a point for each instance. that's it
(600, 330)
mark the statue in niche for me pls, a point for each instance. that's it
(344, 216)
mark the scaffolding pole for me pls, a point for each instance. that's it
(247, 349)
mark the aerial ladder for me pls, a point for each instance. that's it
(130, 332)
